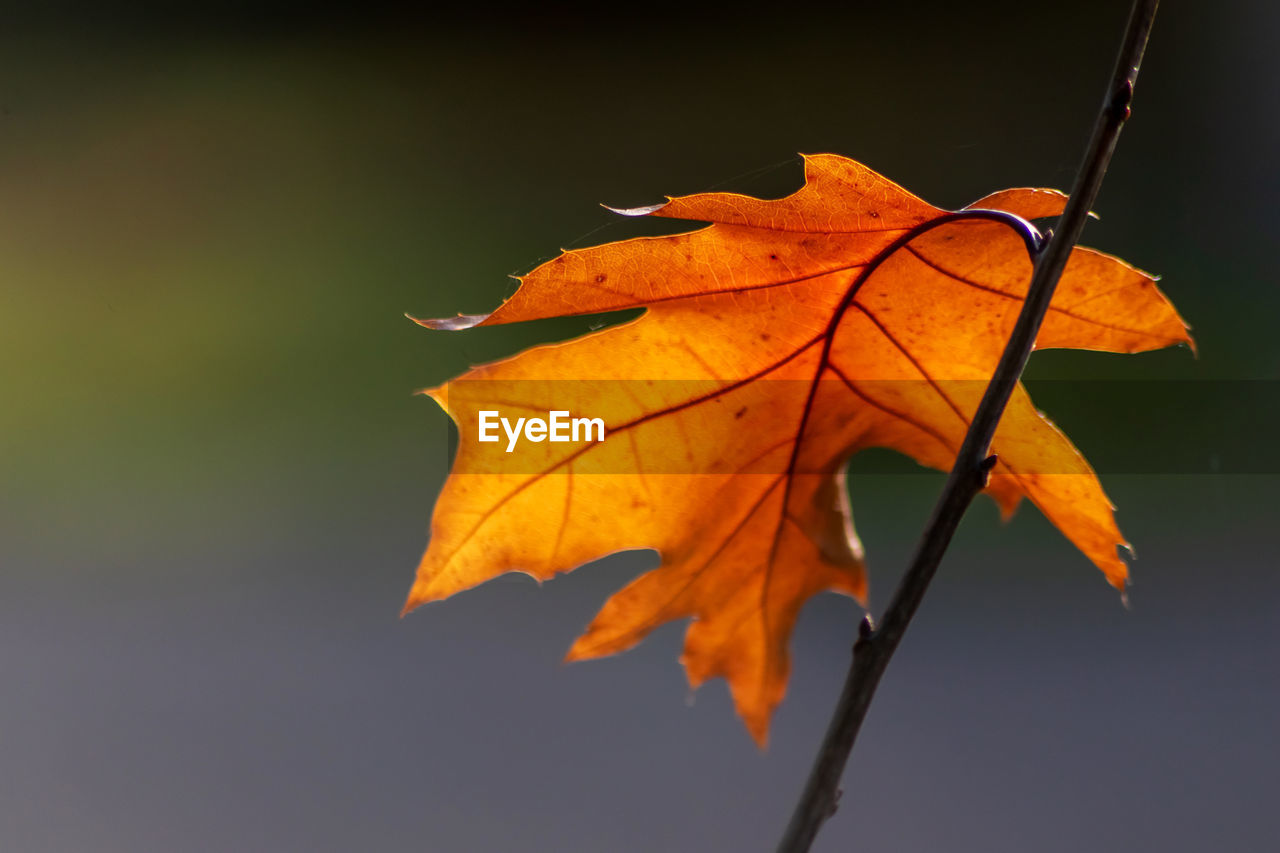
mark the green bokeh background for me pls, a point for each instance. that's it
(215, 480)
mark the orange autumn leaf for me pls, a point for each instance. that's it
(776, 342)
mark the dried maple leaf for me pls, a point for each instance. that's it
(777, 341)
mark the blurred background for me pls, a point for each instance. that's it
(215, 481)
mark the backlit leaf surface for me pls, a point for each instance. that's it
(766, 356)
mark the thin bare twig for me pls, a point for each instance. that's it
(876, 645)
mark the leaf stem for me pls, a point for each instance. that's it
(876, 645)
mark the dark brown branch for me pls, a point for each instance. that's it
(875, 646)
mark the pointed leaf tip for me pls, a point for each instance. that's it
(450, 324)
(636, 211)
